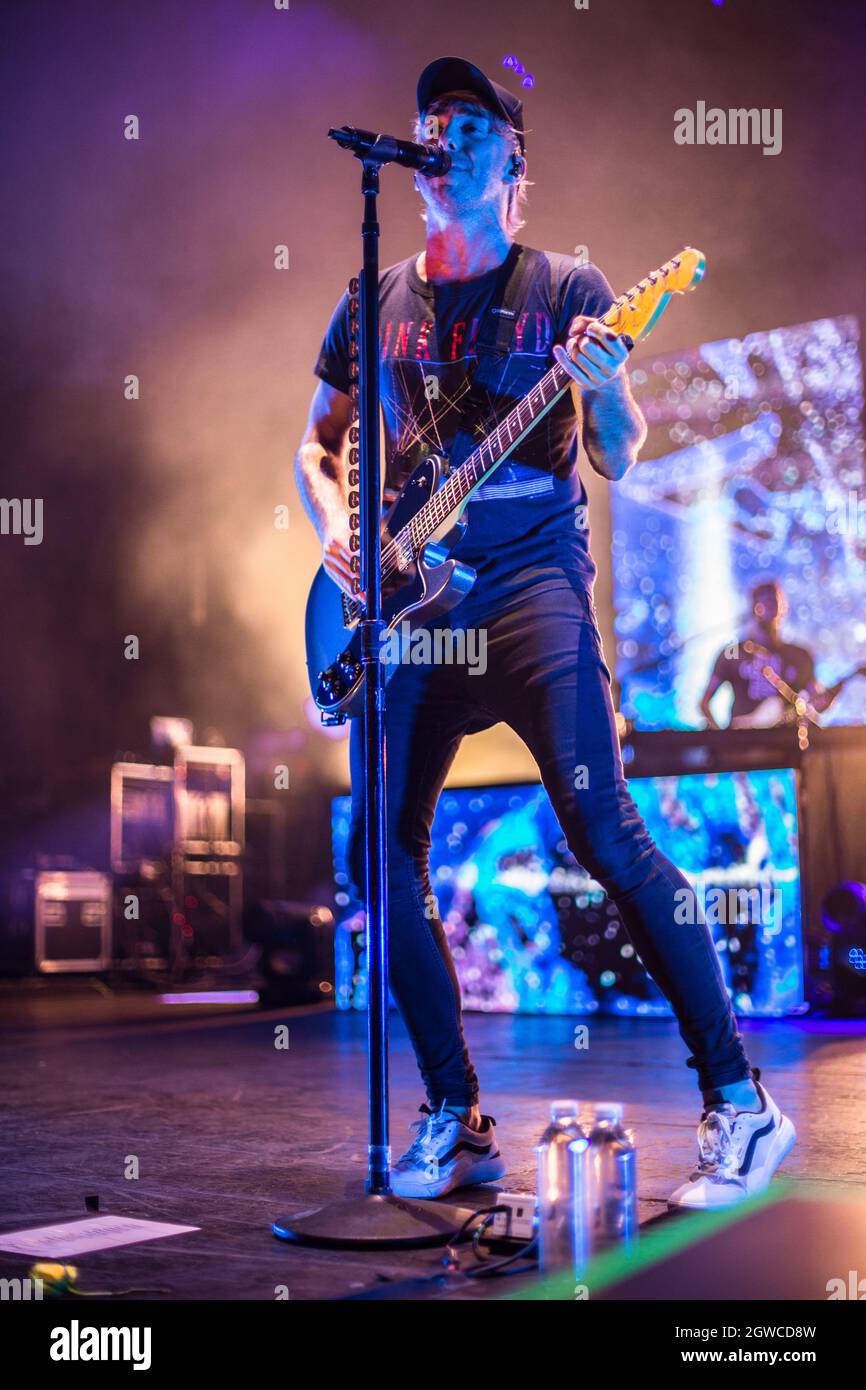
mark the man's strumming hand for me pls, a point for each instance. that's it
(337, 556)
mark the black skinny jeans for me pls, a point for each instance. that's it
(546, 677)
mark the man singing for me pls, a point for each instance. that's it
(467, 328)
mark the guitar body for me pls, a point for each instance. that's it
(772, 711)
(430, 585)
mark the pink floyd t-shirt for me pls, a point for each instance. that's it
(527, 524)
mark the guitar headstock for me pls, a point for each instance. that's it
(637, 311)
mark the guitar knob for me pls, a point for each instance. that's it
(332, 686)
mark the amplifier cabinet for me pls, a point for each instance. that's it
(73, 921)
(142, 815)
(208, 895)
(210, 793)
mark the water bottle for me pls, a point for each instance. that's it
(561, 1190)
(612, 1179)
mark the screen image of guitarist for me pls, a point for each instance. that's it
(751, 477)
(764, 671)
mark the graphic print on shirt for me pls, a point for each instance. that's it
(425, 384)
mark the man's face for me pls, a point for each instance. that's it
(480, 156)
(770, 605)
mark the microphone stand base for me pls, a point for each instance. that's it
(374, 1221)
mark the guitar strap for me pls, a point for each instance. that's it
(495, 334)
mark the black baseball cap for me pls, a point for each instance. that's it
(457, 75)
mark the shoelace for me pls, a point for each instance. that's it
(427, 1132)
(718, 1157)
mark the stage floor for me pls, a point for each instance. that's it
(231, 1132)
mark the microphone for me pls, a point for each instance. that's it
(429, 160)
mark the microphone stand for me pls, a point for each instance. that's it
(377, 1219)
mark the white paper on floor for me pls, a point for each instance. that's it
(94, 1233)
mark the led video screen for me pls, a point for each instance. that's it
(752, 474)
(531, 932)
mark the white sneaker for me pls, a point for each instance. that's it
(739, 1151)
(446, 1154)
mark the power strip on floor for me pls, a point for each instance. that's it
(517, 1223)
